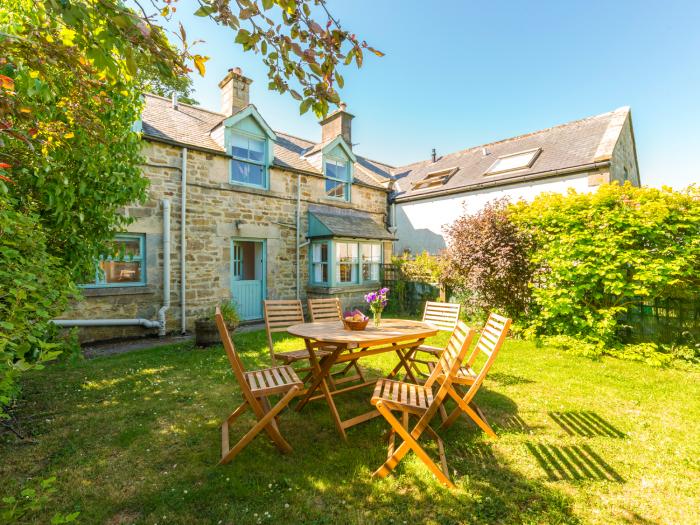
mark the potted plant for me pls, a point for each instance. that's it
(205, 330)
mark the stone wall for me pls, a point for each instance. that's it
(217, 212)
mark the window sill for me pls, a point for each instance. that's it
(250, 187)
(117, 290)
(330, 290)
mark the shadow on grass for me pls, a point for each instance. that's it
(572, 462)
(585, 424)
(139, 436)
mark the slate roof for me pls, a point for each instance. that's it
(576, 143)
(354, 224)
(192, 126)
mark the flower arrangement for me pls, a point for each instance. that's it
(377, 301)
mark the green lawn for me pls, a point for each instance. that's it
(134, 438)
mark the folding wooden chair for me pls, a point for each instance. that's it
(280, 315)
(256, 386)
(444, 317)
(419, 400)
(327, 310)
(489, 343)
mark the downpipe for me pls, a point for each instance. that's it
(166, 268)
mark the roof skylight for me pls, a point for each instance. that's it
(515, 161)
(434, 178)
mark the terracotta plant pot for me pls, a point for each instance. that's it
(206, 332)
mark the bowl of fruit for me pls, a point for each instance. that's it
(355, 320)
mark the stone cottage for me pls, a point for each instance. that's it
(237, 211)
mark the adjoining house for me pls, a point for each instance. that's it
(239, 211)
(581, 155)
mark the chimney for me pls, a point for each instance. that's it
(337, 123)
(235, 91)
(434, 155)
(173, 100)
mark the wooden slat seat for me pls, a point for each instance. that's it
(464, 376)
(490, 341)
(273, 380)
(402, 396)
(444, 317)
(256, 386)
(292, 356)
(280, 314)
(420, 401)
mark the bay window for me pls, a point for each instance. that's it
(344, 263)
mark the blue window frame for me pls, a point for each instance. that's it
(249, 166)
(337, 179)
(320, 262)
(124, 265)
(344, 262)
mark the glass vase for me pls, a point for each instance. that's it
(377, 314)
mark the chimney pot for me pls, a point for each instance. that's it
(434, 155)
(173, 100)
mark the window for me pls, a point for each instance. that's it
(248, 164)
(346, 262)
(319, 262)
(514, 162)
(337, 179)
(435, 178)
(371, 259)
(124, 266)
(343, 263)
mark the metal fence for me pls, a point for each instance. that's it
(664, 320)
(406, 297)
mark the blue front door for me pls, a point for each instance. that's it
(248, 278)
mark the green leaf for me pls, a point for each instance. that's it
(305, 105)
(205, 10)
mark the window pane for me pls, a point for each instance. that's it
(371, 258)
(336, 170)
(256, 150)
(248, 148)
(120, 272)
(320, 273)
(320, 252)
(247, 173)
(240, 146)
(335, 189)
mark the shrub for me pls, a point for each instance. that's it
(34, 288)
(596, 253)
(486, 261)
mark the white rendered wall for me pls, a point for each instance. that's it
(420, 223)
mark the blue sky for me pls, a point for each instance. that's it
(463, 73)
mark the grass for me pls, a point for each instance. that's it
(134, 438)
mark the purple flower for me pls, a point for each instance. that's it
(384, 291)
(384, 302)
(371, 297)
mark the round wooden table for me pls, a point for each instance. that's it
(393, 335)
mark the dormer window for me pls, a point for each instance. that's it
(249, 165)
(337, 179)
(434, 179)
(514, 162)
